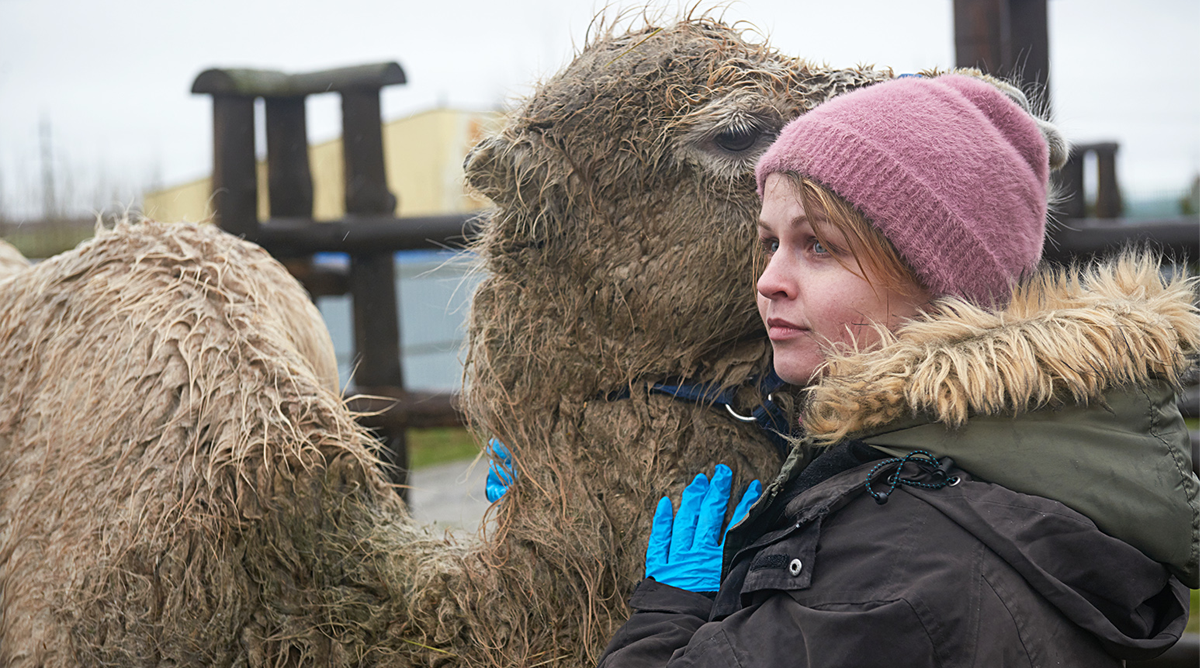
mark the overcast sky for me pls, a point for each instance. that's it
(112, 77)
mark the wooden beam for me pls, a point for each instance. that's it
(1073, 238)
(319, 281)
(418, 410)
(272, 83)
(366, 233)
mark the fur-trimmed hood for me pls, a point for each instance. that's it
(1067, 337)
(1066, 393)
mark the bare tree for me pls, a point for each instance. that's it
(50, 202)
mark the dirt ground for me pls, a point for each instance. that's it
(450, 495)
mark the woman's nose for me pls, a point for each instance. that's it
(776, 281)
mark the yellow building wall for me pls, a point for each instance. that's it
(423, 155)
(189, 201)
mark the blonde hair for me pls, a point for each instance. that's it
(867, 245)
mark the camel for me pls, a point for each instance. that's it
(182, 484)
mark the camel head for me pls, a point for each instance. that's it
(621, 243)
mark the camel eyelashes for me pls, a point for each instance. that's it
(737, 139)
(734, 131)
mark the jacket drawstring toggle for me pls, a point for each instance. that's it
(926, 468)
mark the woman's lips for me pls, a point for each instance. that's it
(782, 330)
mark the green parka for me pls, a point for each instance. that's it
(1068, 393)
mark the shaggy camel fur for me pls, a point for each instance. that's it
(182, 486)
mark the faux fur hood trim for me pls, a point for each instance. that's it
(1067, 336)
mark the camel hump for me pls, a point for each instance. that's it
(169, 427)
(11, 260)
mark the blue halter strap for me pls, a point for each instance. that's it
(769, 417)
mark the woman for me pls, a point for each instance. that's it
(1001, 475)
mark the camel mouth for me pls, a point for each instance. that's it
(517, 246)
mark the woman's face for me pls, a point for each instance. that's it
(807, 298)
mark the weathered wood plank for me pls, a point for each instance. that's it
(272, 83)
(366, 233)
(1177, 237)
(408, 409)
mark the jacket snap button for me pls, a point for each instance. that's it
(795, 567)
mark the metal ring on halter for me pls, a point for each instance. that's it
(741, 418)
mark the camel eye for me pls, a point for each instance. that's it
(737, 139)
(728, 136)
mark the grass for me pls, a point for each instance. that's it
(427, 447)
(47, 239)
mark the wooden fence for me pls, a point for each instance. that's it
(370, 233)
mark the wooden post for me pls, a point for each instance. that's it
(372, 275)
(1108, 193)
(372, 281)
(1010, 39)
(235, 181)
(1070, 180)
(289, 178)
(1030, 46)
(370, 232)
(979, 34)
(362, 145)
(1005, 38)
(372, 278)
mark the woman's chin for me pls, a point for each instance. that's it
(801, 372)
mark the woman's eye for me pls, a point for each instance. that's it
(819, 248)
(769, 246)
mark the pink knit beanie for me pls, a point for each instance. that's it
(949, 169)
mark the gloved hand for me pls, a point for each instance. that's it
(685, 552)
(501, 474)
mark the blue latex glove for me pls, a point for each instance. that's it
(684, 551)
(501, 474)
